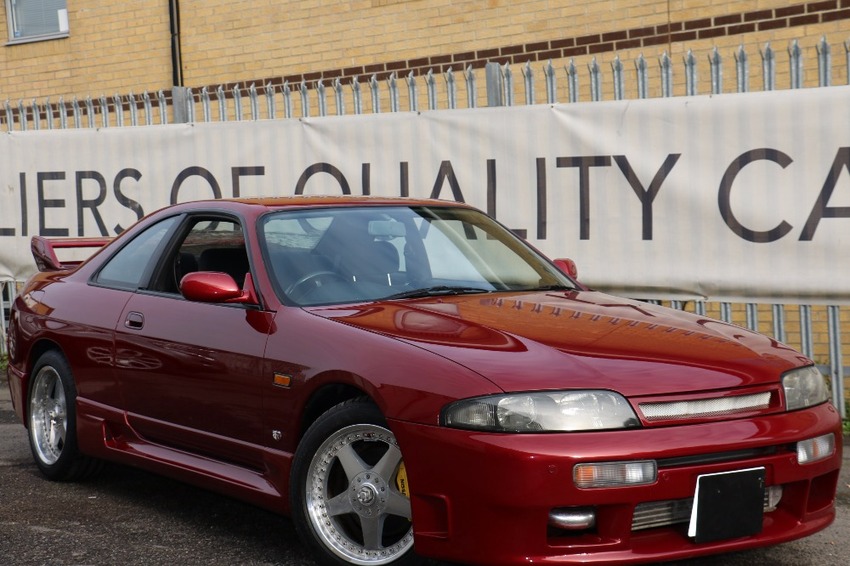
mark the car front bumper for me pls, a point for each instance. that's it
(486, 498)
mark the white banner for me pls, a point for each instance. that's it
(737, 197)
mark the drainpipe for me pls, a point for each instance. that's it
(179, 94)
(176, 56)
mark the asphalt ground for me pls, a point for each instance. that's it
(129, 517)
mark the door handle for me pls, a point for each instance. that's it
(135, 320)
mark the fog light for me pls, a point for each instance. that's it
(573, 518)
(815, 449)
(613, 474)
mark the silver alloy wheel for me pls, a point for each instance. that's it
(353, 501)
(48, 415)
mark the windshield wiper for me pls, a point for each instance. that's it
(556, 287)
(436, 291)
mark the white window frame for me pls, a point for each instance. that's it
(41, 7)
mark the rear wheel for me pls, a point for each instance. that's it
(349, 490)
(52, 421)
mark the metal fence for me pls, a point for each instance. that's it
(7, 293)
(494, 85)
(552, 83)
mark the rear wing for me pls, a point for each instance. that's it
(44, 251)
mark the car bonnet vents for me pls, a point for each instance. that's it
(705, 408)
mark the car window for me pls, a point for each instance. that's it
(208, 244)
(337, 255)
(461, 252)
(301, 231)
(127, 267)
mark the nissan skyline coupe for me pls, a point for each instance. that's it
(410, 380)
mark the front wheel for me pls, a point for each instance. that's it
(349, 490)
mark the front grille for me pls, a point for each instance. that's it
(664, 513)
(706, 407)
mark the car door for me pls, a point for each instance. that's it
(189, 371)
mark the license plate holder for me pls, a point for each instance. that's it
(727, 505)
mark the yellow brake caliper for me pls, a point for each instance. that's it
(401, 481)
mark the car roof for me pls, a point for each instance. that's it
(321, 201)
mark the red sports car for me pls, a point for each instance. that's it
(409, 379)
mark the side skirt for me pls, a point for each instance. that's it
(103, 432)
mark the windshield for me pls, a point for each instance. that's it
(352, 254)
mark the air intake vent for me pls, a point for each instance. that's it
(664, 513)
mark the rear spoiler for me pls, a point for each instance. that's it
(44, 251)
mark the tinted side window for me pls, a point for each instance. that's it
(213, 245)
(126, 268)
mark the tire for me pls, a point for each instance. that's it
(346, 502)
(52, 421)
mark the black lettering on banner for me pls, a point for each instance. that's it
(195, 172)
(45, 203)
(236, 173)
(646, 196)
(123, 199)
(447, 172)
(820, 209)
(541, 198)
(366, 178)
(92, 204)
(584, 164)
(322, 168)
(24, 208)
(723, 201)
(491, 187)
(403, 179)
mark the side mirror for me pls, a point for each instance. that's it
(568, 266)
(214, 287)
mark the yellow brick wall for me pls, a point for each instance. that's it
(243, 41)
(298, 37)
(120, 47)
(113, 46)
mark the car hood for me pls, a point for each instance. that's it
(578, 339)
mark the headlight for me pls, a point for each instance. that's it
(804, 387)
(559, 411)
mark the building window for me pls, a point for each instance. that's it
(35, 20)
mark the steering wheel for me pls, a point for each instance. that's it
(311, 282)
